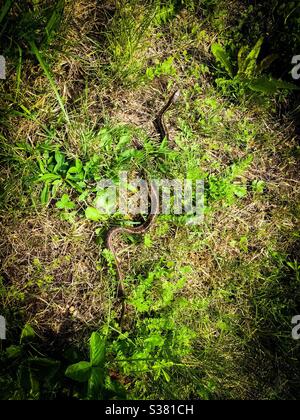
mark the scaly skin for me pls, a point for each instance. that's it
(153, 194)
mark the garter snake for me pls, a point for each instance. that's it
(161, 129)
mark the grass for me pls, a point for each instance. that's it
(44, 66)
(210, 306)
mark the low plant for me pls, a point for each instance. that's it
(25, 372)
(94, 374)
(249, 74)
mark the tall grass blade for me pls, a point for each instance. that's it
(54, 20)
(5, 9)
(49, 77)
(19, 70)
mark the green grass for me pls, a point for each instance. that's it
(45, 68)
(209, 306)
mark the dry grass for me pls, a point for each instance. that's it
(53, 273)
(75, 287)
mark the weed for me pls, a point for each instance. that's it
(209, 307)
(249, 74)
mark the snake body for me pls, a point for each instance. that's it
(161, 128)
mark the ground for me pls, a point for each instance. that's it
(209, 307)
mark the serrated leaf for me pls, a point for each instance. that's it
(241, 59)
(267, 62)
(222, 56)
(270, 86)
(79, 372)
(281, 84)
(97, 349)
(250, 66)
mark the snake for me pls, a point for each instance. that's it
(163, 133)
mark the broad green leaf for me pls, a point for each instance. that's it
(27, 333)
(280, 84)
(79, 372)
(96, 384)
(73, 170)
(76, 170)
(128, 154)
(222, 56)
(97, 349)
(258, 186)
(105, 138)
(78, 186)
(78, 165)
(124, 140)
(93, 214)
